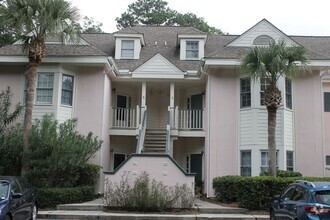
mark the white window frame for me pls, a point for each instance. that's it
(188, 163)
(288, 93)
(45, 88)
(291, 167)
(67, 90)
(243, 165)
(244, 94)
(130, 49)
(192, 50)
(264, 161)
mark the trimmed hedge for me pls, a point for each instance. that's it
(51, 197)
(254, 193)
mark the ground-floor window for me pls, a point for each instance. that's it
(327, 160)
(289, 160)
(246, 163)
(264, 161)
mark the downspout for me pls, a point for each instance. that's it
(208, 164)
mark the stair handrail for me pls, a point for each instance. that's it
(142, 130)
(168, 139)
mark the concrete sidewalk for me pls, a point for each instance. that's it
(94, 210)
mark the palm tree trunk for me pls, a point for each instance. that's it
(271, 141)
(29, 102)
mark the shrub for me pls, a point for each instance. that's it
(283, 173)
(51, 197)
(147, 195)
(58, 153)
(253, 193)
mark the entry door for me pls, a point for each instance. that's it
(196, 116)
(123, 102)
(118, 159)
(196, 166)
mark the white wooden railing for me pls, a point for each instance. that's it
(142, 130)
(125, 117)
(185, 119)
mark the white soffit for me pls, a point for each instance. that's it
(263, 27)
(158, 66)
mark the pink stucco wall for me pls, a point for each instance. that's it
(12, 76)
(326, 118)
(308, 125)
(163, 169)
(221, 137)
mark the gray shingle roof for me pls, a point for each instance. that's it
(104, 45)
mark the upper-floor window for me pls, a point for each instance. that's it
(67, 90)
(289, 160)
(127, 49)
(192, 49)
(327, 101)
(288, 93)
(264, 83)
(246, 163)
(264, 161)
(245, 88)
(44, 90)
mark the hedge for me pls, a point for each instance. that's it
(51, 197)
(254, 193)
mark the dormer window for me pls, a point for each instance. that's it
(127, 49)
(192, 50)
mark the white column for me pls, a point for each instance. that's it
(172, 95)
(144, 94)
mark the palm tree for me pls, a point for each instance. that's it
(271, 62)
(35, 20)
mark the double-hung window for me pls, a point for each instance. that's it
(44, 90)
(245, 163)
(288, 93)
(264, 83)
(127, 49)
(245, 92)
(192, 50)
(264, 161)
(327, 101)
(67, 90)
(289, 160)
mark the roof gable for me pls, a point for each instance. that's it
(263, 28)
(158, 67)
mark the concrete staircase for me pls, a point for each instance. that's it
(154, 141)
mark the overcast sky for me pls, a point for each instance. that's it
(293, 17)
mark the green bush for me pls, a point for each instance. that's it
(58, 153)
(51, 197)
(283, 173)
(254, 193)
(146, 195)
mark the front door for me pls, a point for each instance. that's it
(196, 166)
(196, 108)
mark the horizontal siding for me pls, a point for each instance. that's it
(288, 128)
(63, 114)
(262, 127)
(40, 111)
(246, 127)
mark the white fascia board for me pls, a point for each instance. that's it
(140, 36)
(319, 63)
(14, 59)
(157, 76)
(85, 59)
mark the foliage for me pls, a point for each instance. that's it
(7, 118)
(156, 12)
(147, 195)
(90, 26)
(283, 173)
(253, 193)
(58, 153)
(10, 150)
(271, 62)
(50, 197)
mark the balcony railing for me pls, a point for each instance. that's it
(124, 117)
(188, 119)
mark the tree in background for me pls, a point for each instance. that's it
(271, 62)
(90, 26)
(156, 12)
(35, 20)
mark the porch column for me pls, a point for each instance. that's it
(172, 95)
(143, 94)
